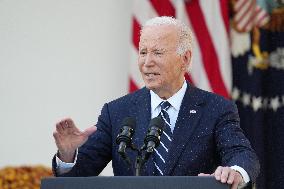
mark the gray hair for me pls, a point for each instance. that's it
(185, 35)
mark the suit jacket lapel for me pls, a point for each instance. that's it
(187, 121)
(141, 111)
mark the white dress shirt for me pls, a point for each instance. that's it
(174, 100)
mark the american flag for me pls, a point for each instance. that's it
(248, 14)
(209, 21)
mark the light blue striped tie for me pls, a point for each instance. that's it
(161, 153)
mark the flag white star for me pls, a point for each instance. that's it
(275, 103)
(246, 99)
(256, 103)
(235, 93)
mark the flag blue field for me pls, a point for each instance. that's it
(258, 86)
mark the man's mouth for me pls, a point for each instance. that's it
(151, 74)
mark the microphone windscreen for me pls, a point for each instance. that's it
(157, 121)
(129, 121)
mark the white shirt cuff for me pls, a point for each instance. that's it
(63, 167)
(243, 173)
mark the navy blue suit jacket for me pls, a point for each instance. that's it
(201, 142)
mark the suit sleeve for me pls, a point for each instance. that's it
(232, 145)
(95, 154)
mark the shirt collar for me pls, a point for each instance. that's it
(174, 100)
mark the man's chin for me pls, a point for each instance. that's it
(152, 87)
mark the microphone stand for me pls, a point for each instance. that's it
(140, 160)
(138, 163)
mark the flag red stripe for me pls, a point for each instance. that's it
(240, 4)
(225, 13)
(250, 21)
(132, 86)
(163, 7)
(188, 78)
(247, 13)
(208, 51)
(135, 32)
(259, 23)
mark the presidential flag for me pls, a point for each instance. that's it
(257, 45)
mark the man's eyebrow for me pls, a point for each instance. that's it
(159, 49)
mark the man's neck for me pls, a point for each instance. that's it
(166, 94)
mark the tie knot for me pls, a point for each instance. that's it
(165, 105)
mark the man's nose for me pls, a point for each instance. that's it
(149, 61)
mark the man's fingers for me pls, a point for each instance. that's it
(222, 174)
(63, 124)
(238, 179)
(235, 185)
(218, 173)
(57, 138)
(225, 174)
(59, 127)
(71, 127)
(66, 126)
(55, 135)
(70, 123)
(231, 177)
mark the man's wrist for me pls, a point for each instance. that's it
(243, 183)
(68, 157)
(243, 174)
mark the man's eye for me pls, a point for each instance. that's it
(142, 53)
(158, 53)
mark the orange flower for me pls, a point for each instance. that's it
(24, 177)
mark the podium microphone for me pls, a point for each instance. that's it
(152, 139)
(124, 138)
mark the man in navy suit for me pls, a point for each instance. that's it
(205, 136)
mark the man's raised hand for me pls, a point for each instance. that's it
(68, 138)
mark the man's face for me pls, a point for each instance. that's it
(161, 67)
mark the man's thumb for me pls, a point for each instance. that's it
(90, 131)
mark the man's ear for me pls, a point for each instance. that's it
(186, 58)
